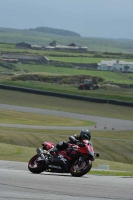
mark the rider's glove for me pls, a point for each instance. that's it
(54, 149)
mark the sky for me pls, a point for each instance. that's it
(89, 18)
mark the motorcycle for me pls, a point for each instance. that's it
(75, 159)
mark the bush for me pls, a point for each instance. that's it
(7, 65)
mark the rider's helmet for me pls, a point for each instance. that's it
(85, 134)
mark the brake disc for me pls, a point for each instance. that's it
(79, 167)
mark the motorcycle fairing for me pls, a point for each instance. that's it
(69, 155)
(63, 158)
(48, 145)
(60, 160)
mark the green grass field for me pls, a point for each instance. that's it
(56, 103)
(66, 86)
(94, 44)
(115, 148)
(9, 117)
(108, 92)
(82, 59)
(109, 144)
(115, 153)
(114, 77)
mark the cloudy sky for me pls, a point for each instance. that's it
(91, 18)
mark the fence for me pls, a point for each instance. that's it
(68, 96)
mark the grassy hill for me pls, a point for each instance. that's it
(68, 84)
(54, 31)
(94, 44)
(61, 76)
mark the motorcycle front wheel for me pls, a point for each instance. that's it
(80, 170)
(36, 165)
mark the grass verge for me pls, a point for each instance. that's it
(62, 104)
(111, 173)
(15, 117)
(111, 92)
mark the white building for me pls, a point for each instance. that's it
(115, 65)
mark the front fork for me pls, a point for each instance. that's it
(81, 160)
(42, 155)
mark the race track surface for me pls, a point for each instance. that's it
(102, 123)
(16, 182)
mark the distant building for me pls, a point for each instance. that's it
(23, 45)
(83, 48)
(53, 46)
(49, 48)
(71, 47)
(63, 47)
(10, 60)
(115, 65)
(26, 58)
(36, 47)
(26, 45)
(80, 48)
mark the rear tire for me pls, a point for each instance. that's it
(81, 170)
(36, 166)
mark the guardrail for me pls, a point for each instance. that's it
(68, 96)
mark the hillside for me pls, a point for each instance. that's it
(9, 35)
(55, 31)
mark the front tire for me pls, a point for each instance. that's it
(81, 170)
(35, 166)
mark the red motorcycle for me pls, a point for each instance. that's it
(75, 159)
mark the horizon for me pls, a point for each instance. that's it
(110, 19)
(70, 36)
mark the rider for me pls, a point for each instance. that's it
(76, 139)
(84, 135)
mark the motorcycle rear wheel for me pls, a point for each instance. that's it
(36, 166)
(81, 170)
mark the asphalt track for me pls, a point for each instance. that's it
(16, 182)
(102, 123)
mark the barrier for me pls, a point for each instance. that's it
(120, 103)
(69, 96)
(56, 94)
